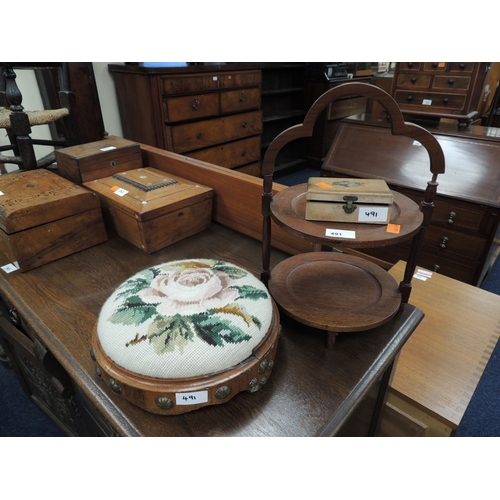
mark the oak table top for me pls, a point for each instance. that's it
(311, 392)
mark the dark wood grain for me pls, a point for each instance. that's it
(312, 391)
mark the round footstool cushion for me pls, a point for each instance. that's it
(185, 334)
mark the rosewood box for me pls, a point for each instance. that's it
(366, 201)
(94, 160)
(44, 217)
(152, 209)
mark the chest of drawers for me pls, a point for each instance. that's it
(211, 113)
(448, 90)
(460, 238)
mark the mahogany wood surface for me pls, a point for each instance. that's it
(367, 148)
(290, 205)
(288, 211)
(334, 291)
(468, 198)
(311, 391)
(197, 108)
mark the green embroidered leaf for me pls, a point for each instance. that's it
(233, 272)
(133, 312)
(215, 330)
(250, 292)
(134, 286)
(257, 321)
(167, 333)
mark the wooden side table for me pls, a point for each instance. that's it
(441, 364)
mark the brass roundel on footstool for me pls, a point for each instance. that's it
(186, 334)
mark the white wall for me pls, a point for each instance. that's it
(107, 98)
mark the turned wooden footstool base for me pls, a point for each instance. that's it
(186, 334)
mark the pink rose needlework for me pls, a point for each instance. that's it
(184, 300)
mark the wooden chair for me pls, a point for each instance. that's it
(331, 290)
(18, 122)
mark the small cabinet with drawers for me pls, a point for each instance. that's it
(208, 112)
(440, 89)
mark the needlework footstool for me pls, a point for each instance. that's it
(186, 334)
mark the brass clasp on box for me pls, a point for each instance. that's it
(349, 207)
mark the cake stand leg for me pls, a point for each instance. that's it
(331, 337)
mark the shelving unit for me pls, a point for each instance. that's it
(283, 105)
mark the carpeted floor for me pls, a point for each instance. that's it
(482, 416)
(18, 415)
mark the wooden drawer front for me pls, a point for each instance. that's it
(194, 136)
(240, 79)
(430, 101)
(442, 265)
(410, 66)
(461, 216)
(185, 84)
(230, 155)
(464, 270)
(233, 101)
(409, 81)
(451, 83)
(462, 67)
(435, 66)
(456, 215)
(191, 107)
(448, 243)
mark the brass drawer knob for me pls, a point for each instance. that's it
(451, 217)
(442, 245)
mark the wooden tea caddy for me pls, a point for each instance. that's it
(94, 160)
(152, 209)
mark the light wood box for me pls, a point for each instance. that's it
(152, 209)
(44, 217)
(440, 366)
(367, 201)
(94, 160)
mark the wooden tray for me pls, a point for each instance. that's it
(334, 291)
(288, 211)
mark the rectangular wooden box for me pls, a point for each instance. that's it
(94, 160)
(44, 217)
(367, 201)
(152, 209)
